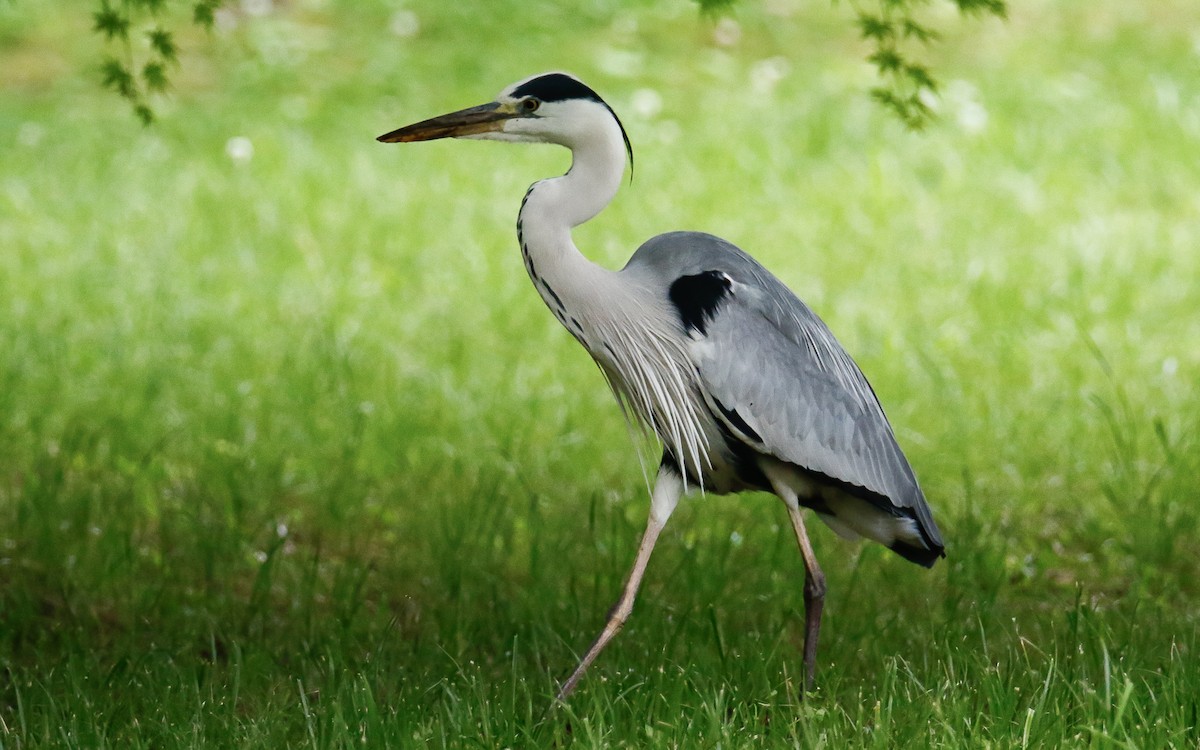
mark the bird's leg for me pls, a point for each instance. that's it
(667, 489)
(814, 589)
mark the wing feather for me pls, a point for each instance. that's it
(784, 385)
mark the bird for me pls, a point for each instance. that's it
(744, 386)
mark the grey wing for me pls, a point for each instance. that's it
(782, 384)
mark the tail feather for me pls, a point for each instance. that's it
(920, 555)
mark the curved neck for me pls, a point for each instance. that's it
(636, 344)
(553, 207)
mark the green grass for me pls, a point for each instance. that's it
(292, 455)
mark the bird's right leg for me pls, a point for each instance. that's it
(667, 489)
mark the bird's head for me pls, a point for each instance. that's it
(547, 108)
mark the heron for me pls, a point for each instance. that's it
(744, 386)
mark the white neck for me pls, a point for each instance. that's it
(553, 207)
(632, 340)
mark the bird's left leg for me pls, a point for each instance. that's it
(667, 489)
(814, 578)
(814, 593)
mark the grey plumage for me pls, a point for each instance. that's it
(744, 385)
(768, 358)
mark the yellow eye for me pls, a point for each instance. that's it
(530, 104)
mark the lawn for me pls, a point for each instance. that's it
(291, 454)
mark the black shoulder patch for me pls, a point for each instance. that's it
(556, 87)
(697, 297)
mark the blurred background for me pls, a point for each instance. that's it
(288, 443)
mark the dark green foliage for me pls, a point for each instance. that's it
(716, 7)
(993, 7)
(155, 76)
(887, 25)
(111, 23)
(118, 78)
(202, 12)
(890, 26)
(162, 43)
(133, 71)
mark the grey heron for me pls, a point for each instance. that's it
(744, 386)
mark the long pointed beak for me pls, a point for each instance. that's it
(482, 119)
